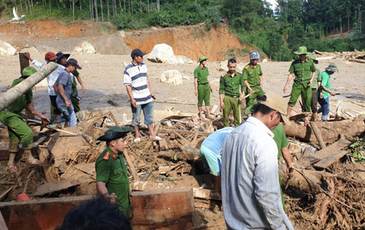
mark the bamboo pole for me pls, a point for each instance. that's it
(14, 93)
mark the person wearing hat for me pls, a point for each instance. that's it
(252, 74)
(202, 86)
(51, 79)
(75, 99)
(324, 100)
(64, 88)
(315, 85)
(229, 93)
(303, 71)
(19, 131)
(111, 171)
(250, 189)
(140, 93)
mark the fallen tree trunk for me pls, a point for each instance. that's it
(298, 181)
(12, 94)
(330, 131)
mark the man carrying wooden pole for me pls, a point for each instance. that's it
(19, 132)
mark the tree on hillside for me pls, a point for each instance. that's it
(241, 13)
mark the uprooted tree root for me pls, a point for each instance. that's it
(340, 205)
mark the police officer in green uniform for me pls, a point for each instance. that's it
(229, 93)
(202, 86)
(19, 132)
(111, 170)
(315, 85)
(304, 71)
(282, 144)
(75, 98)
(252, 74)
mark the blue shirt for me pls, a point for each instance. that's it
(65, 80)
(215, 141)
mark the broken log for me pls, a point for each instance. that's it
(183, 132)
(299, 182)
(168, 209)
(12, 94)
(55, 187)
(206, 194)
(44, 157)
(191, 153)
(187, 153)
(318, 135)
(130, 164)
(330, 130)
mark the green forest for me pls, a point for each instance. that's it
(324, 25)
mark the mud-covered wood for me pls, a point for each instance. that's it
(168, 209)
(49, 188)
(330, 131)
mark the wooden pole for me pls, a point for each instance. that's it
(132, 169)
(24, 62)
(12, 94)
(318, 135)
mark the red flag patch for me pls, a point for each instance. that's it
(114, 156)
(106, 156)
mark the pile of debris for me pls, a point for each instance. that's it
(356, 56)
(325, 191)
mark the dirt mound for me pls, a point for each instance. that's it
(112, 44)
(190, 41)
(53, 30)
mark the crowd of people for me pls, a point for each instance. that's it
(243, 160)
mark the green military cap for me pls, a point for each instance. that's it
(301, 50)
(27, 71)
(332, 68)
(313, 58)
(202, 58)
(115, 132)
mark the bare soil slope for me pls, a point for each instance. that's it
(189, 41)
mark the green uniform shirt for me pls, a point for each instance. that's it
(280, 138)
(201, 74)
(231, 85)
(76, 74)
(112, 170)
(252, 74)
(302, 70)
(326, 82)
(316, 79)
(19, 104)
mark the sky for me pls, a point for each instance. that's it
(273, 3)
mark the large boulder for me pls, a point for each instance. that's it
(85, 47)
(6, 49)
(171, 77)
(163, 53)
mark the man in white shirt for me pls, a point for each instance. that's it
(51, 79)
(250, 190)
